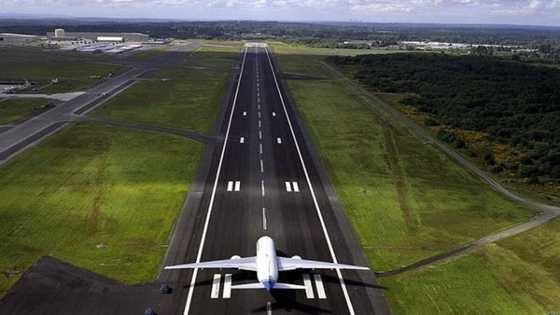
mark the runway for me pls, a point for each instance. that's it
(265, 180)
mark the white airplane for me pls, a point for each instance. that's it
(267, 265)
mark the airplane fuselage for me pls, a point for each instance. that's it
(267, 262)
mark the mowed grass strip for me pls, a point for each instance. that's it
(14, 110)
(520, 275)
(101, 198)
(74, 71)
(188, 96)
(406, 199)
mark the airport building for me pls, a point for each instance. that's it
(60, 34)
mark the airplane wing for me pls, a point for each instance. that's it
(258, 285)
(246, 263)
(285, 263)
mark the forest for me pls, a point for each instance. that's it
(515, 105)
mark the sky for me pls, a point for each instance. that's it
(527, 12)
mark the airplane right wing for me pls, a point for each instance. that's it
(285, 263)
(246, 263)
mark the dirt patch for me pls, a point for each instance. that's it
(399, 178)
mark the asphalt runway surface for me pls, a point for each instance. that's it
(264, 180)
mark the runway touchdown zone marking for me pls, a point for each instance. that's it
(292, 187)
(233, 186)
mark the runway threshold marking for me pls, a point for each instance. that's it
(227, 286)
(296, 186)
(320, 287)
(308, 286)
(215, 293)
(288, 187)
(311, 190)
(214, 189)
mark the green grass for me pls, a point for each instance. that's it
(407, 200)
(101, 198)
(520, 275)
(282, 48)
(190, 98)
(13, 110)
(75, 72)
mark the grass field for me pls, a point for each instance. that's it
(103, 199)
(520, 275)
(75, 72)
(189, 97)
(13, 110)
(408, 201)
(282, 48)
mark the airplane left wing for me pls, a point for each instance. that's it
(285, 263)
(246, 263)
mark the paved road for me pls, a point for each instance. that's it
(33, 130)
(265, 181)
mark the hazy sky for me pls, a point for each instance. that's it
(536, 12)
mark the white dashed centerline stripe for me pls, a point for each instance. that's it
(211, 204)
(264, 219)
(312, 191)
(260, 148)
(262, 166)
(244, 113)
(242, 140)
(273, 114)
(262, 188)
(260, 135)
(268, 308)
(260, 123)
(279, 140)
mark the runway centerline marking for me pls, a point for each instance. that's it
(312, 191)
(268, 308)
(262, 166)
(214, 189)
(273, 114)
(242, 140)
(215, 293)
(264, 219)
(260, 148)
(262, 188)
(279, 140)
(260, 135)
(320, 287)
(244, 113)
